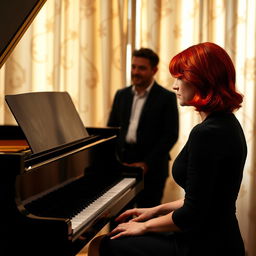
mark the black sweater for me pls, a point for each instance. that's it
(209, 169)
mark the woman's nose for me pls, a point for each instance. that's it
(175, 85)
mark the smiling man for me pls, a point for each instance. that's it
(147, 114)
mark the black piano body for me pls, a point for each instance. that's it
(41, 193)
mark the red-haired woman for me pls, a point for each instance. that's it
(209, 168)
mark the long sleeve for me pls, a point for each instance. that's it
(168, 130)
(210, 168)
(113, 116)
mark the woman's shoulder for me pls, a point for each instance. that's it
(216, 127)
(200, 131)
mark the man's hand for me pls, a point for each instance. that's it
(142, 165)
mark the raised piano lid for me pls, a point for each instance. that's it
(15, 18)
(47, 119)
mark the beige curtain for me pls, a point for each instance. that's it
(79, 46)
(76, 46)
(171, 26)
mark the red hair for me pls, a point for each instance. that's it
(208, 68)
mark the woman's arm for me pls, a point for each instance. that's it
(163, 223)
(169, 207)
(143, 214)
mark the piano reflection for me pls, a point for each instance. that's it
(58, 188)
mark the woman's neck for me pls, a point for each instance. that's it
(203, 115)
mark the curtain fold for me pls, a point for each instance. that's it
(74, 46)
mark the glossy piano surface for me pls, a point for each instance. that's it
(46, 199)
(15, 18)
(59, 199)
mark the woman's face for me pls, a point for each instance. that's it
(185, 92)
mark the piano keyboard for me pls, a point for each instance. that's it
(92, 210)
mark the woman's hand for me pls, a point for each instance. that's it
(143, 223)
(134, 226)
(137, 214)
(130, 228)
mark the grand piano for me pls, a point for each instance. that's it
(60, 183)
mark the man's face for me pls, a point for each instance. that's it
(141, 72)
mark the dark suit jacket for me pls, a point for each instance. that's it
(158, 126)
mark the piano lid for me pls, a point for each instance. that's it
(47, 119)
(15, 18)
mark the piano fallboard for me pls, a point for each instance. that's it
(59, 200)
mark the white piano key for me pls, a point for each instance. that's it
(97, 206)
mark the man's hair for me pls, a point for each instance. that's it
(147, 54)
(208, 68)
